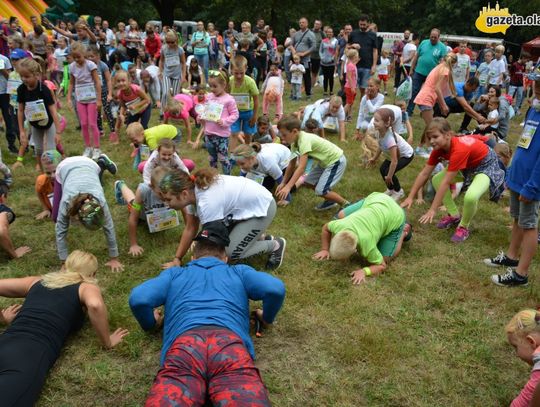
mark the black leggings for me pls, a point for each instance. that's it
(328, 78)
(24, 364)
(402, 163)
(108, 113)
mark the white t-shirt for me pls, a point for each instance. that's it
(60, 56)
(368, 107)
(392, 139)
(4, 64)
(496, 68)
(460, 69)
(272, 160)
(408, 53)
(297, 73)
(237, 196)
(382, 69)
(494, 114)
(323, 107)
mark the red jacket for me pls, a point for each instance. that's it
(153, 46)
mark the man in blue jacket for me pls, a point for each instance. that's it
(523, 180)
(207, 352)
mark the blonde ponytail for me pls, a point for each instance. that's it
(80, 267)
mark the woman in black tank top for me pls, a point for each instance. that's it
(54, 306)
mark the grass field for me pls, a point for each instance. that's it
(429, 332)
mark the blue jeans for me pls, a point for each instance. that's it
(363, 76)
(203, 62)
(417, 82)
(517, 93)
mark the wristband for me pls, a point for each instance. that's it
(20, 159)
(136, 206)
(367, 271)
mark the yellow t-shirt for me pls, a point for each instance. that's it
(156, 133)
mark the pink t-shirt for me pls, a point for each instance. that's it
(134, 94)
(187, 102)
(428, 95)
(353, 74)
(525, 396)
(228, 116)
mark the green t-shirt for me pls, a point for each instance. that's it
(152, 135)
(243, 95)
(429, 56)
(322, 150)
(375, 217)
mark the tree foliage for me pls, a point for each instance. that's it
(420, 16)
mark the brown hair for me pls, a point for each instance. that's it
(239, 62)
(175, 181)
(166, 143)
(76, 203)
(289, 122)
(438, 124)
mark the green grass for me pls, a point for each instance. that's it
(429, 332)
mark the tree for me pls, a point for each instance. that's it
(165, 8)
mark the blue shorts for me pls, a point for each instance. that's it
(242, 124)
(363, 76)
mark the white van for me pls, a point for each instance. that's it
(186, 28)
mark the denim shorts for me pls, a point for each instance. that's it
(242, 124)
(525, 213)
(424, 108)
(363, 76)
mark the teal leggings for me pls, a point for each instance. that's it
(478, 187)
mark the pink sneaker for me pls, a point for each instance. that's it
(448, 221)
(460, 235)
(63, 124)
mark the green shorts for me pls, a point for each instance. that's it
(388, 244)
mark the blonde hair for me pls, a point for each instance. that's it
(352, 53)
(336, 100)
(449, 60)
(239, 62)
(171, 36)
(523, 323)
(244, 151)
(500, 48)
(30, 65)
(369, 147)
(134, 129)
(79, 47)
(80, 267)
(504, 152)
(175, 181)
(375, 80)
(173, 106)
(121, 73)
(157, 174)
(343, 245)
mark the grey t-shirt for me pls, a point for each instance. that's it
(319, 35)
(150, 200)
(172, 62)
(305, 41)
(504, 115)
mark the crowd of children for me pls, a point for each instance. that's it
(276, 153)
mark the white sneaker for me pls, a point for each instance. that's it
(389, 192)
(398, 195)
(96, 153)
(87, 152)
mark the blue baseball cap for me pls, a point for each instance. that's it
(19, 53)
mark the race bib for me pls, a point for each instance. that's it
(527, 135)
(483, 79)
(2, 64)
(159, 219)
(35, 111)
(144, 152)
(132, 106)
(256, 176)
(12, 85)
(85, 92)
(212, 111)
(199, 109)
(172, 60)
(242, 101)
(330, 123)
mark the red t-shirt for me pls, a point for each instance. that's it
(153, 46)
(465, 153)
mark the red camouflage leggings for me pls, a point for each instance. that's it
(208, 363)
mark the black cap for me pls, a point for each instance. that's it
(214, 232)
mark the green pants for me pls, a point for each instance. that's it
(478, 187)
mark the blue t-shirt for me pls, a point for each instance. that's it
(460, 92)
(523, 176)
(206, 291)
(429, 56)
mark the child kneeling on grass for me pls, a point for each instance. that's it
(374, 227)
(324, 175)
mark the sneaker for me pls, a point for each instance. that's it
(345, 204)
(501, 260)
(118, 192)
(13, 150)
(409, 232)
(425, 152)
(509, 279)
(461, 234)
(448, 221)
(276, 257)
(87, 152)
(109, 164)
(113, 137)
(325, 205)
(397, 195)
(389, 192)
(268, 237)
(96, 153)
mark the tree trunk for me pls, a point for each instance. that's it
(165, 8)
